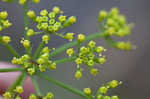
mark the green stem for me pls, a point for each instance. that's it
(11, 69)
(37, 53)
(68, 45)
(34, 82)
(65, 60)
(62, 85)
(11, 49)
(18, 81)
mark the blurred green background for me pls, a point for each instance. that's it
(130, 67)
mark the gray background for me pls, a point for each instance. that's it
(130, 67)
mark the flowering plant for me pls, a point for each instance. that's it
(48, 23)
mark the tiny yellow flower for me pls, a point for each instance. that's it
(44, 12)
(78, 74)
(31, 71)
(45, 39)
(30, 32)
(56, 9)
(31, 14)
(32, 96)
(94, 71)
(103, 90)
(7, 95)
(19, 89)
(22, 2)
(69, 36)
(6, 39)
(45, 50)
(81, 37)
(72, 19)
(70, 51)
(42, 68)
(40, 61)
(3, 14)
(26, 43)
(78, 61)
(87, 91)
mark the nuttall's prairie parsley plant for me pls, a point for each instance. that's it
(49, 23)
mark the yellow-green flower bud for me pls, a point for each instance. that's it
(52, 66)
(78, 74)
(44, 26)
(102, 15)
(45, 50)
(114, 11)
(42, 68)
(107, 97)
(7, 95)
(78, 61)
(30, 32)
(62, 18)
(44, 12)
(72, 19)
(52, 15)
(49, 95)
(94, 71)
(45, 38)
(52, 21)
(70, 51)
(14, 60)
(99, 49)
(90, 63)
(99, 97)
(111, 31)
(113, 83)
(110, 22)
(92, 44)
(114, 97)
(6, 39)
(40, 61)
(103, 90)
(87, 91)
(3, 15)
(26, 43)
(56, 9)
(31, 71)
(22, 2)
(102, 60)
(69, 36)
(32, 96)
(81, 37)
(6, 24)
(31, 14)
(19, 89)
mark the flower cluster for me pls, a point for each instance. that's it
(51, 22)
(15, 93)
(22, 2)
(115, 24)
(103, 90)
(31, 66)
(4, 22)
(89, 56)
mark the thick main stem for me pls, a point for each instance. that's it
(62, 85)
